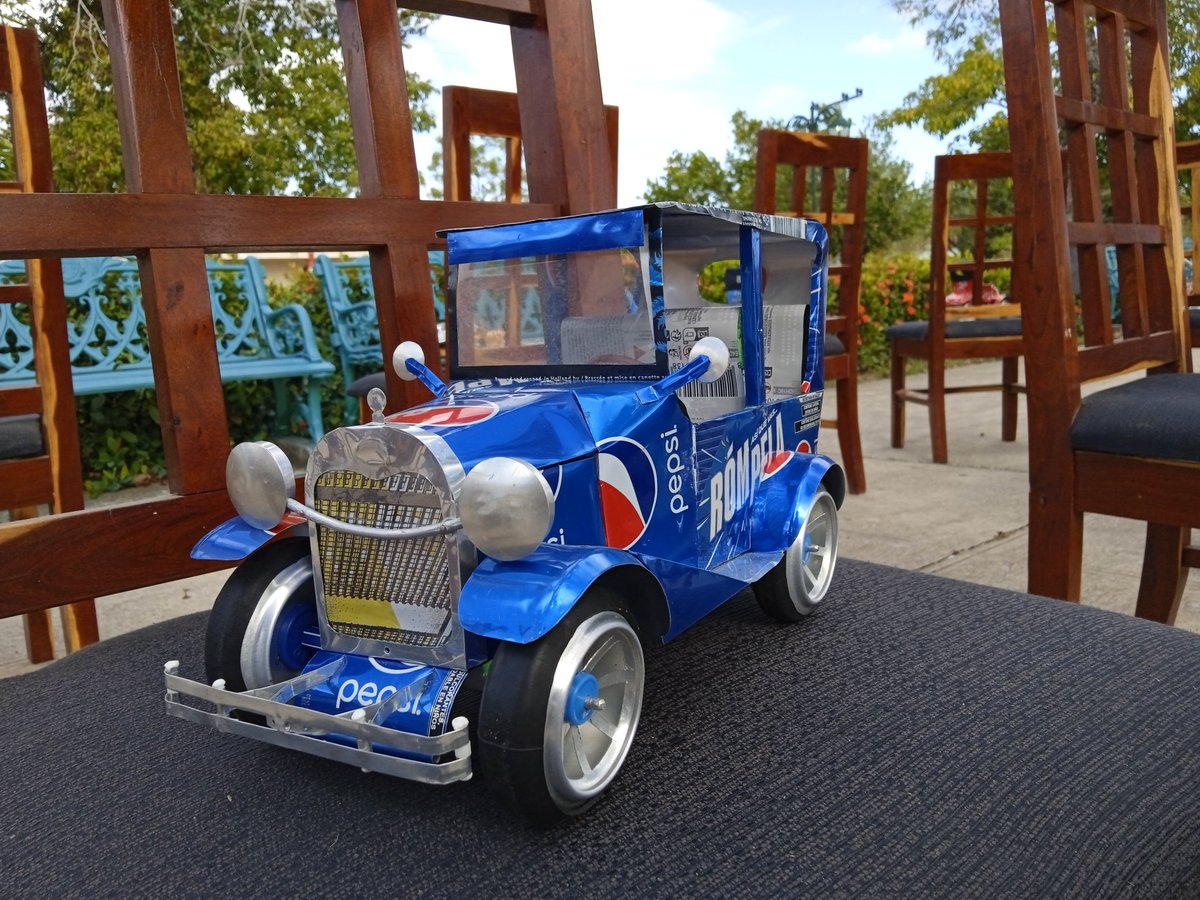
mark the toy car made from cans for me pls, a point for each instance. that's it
(469, 584)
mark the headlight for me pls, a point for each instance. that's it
(506, 507)
(260, 480)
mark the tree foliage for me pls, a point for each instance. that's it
(264, 94)
(896, 211)
(968, 100)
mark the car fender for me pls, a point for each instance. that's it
(235, 538)
(521, 600)
(785, 495)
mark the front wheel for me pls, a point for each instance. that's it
(558, 716)
(257, 623)
(799, 582)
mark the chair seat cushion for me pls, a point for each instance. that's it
(21, 436)
(360, 387)
(834, 345)
(1009, 326)
(1157, 417)
(1194, 316)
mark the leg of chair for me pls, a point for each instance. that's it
(898, 401)
(1163, 572)
(849, 438)
(79, 624)
(1055, 546)
(39, 626)
(1008, 402)
(316, 424)
(937, 411)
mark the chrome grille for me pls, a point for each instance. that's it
(396, 591)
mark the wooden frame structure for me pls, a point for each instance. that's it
(170, 227)
(468, 111)
(977, 330)
(53, 478)
(1103, 79)
(844, 214)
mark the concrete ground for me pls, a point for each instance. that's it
(966, 520)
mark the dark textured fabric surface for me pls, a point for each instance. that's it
(915, 737)
(21, 436)
(1194, 316)
(360, 387)
(972, 328)
(834, 345)
(1156, 416)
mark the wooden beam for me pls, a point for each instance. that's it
(133, 545)
(502, 12)
(220, 224)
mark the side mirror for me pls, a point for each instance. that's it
(408, 359)
(718, 357)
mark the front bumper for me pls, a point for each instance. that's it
(308, 730)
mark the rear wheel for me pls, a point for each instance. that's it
(799, 582)
(559, 715)
(258, 621)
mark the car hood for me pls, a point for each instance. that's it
(543, 426)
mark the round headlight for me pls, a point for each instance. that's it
(260, 480)
(402, 354)
(506, 507)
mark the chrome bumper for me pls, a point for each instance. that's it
(303, 729)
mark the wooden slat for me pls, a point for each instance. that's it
(109, 550)
(20, 401)
(1126, 356)
(220, 224)
(1107, 117)
(502, 12)
(15, 293)
(1164, 491)
(25, 482)
(1119, 233)
(984, 311)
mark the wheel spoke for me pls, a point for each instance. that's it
(810, 580)
(602, 724)
(621, 677)
(580, 753)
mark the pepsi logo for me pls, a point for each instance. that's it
(628, 490)
(447, 415)
(554, 478)
(804, 447)
(775, 462)
(805, 387)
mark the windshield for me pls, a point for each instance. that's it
(561, 314)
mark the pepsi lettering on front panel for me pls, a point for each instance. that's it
(627, 439)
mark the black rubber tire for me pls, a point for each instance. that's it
(235, 604)
(772, 591)
(512, 714)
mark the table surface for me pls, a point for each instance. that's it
(917, 735)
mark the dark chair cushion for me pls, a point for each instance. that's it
(360, 387)
(21, 436)
(1194, 316)
(1010, 326)
(1157, 416)
(834, 345)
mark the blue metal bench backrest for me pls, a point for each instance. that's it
(109, 346)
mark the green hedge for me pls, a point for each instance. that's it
(894, 289)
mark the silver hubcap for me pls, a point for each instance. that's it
(259, 665)
(813, 555)
(581, 760)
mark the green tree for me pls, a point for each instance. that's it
(968, 100)
(897, 212)
(264, 94)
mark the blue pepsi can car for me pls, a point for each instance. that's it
(469, 585)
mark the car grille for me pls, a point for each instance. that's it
(396, 590)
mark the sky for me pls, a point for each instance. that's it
(679, 69)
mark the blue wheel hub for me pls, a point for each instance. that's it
(288, 640)
(584, 688)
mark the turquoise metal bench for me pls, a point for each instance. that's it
(108, 340)
(350, 295)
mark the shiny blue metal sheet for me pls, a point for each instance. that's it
(520, 601)
(542, 426)
(752, 314)
(692, 593)
(601, 231)
(365, 680)
(577, 518)
(785, 496)
(644, 461)
(231, 540)
(814, 359)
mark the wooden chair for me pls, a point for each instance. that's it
(1187, 164)
(840, 167)
(1132, 450)
(39, 445)
(965, 320)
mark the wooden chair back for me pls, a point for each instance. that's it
(170, 226)
(468, 111)
(52, 477)
(1187, 164)
(1098, 74)
(824, 177)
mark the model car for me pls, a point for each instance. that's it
(469, 585)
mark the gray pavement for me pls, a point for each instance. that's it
(966, 520)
